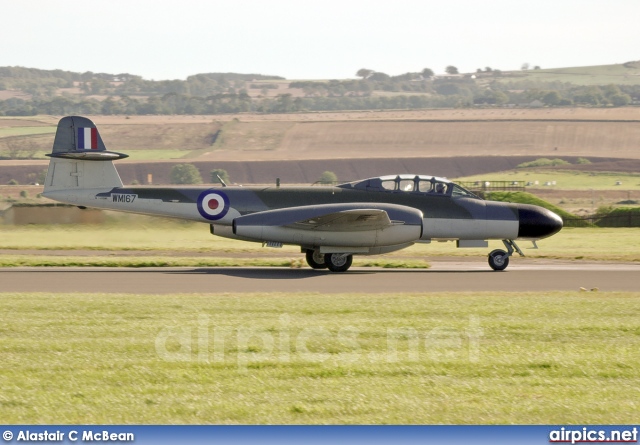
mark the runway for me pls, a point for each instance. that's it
(442, 277)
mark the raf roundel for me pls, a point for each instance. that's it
(213, 205)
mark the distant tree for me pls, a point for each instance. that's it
(488, 69)
(543, 162)
(427, 72)
(451, 70)
(491, 97)
(610, 90)
(328, 178)
(500, 97)
(620, 100)
(406, 77)
(222, 173)
(379, 77)
(552, 98)
(591, 95)
(24, 194)
(284, 103)
(524, 67)
(478, 70)
(537, 67)
(185, 174)
(364, 73)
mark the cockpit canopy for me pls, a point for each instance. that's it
(423, 184)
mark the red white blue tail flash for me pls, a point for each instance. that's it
(87, 138)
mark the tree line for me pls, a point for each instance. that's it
(449, 95)
(218, 93)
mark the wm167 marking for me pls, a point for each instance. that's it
(119, 197)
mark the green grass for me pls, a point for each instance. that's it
(150, 154)
(565, 179)
(527, 198)
(572, 243)
(99, 260)
(139, 154)
(174, 239)
(141, 261)
(480, 358)
(570, 219)
(142, 234)
(25, 131)
(584, 75)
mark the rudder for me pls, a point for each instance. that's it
(79, 159)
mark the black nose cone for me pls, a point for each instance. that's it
(537, 222)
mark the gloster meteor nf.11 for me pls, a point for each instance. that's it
(330, 224)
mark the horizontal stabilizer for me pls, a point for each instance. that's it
(78, 138)
(89, 155)
(78, 141)
(76, 133)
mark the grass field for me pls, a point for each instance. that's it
(26, 131)
(337, 135)
(156, 154)
(565, 180)
(120, 243)
(585, 75)
(310, 358)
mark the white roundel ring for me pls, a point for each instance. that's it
(213, 205)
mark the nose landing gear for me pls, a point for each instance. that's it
(499, 259)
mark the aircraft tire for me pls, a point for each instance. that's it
(315, 259)
(498, 260)
(337, 262)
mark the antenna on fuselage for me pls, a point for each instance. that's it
(224, 184)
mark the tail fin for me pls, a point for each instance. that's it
(79, 159)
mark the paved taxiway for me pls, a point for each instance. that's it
(442, 277)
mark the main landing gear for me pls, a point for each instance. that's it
(499, 259)
(315, 259)
(335, 262)
(338, 262)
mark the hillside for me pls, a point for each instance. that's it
(586, 132)
(620, 74)
(29, 91)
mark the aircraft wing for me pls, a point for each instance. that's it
(347, 220)
(351, 217)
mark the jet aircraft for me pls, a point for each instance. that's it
(329, 223)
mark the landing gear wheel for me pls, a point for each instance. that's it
(498, 259)
(315, 259)
(338, 262)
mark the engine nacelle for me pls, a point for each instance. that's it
(347, 225)
(396, 234)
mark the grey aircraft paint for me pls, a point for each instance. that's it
(372, 216)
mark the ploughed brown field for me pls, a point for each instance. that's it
(384, 134)
(297, 147)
